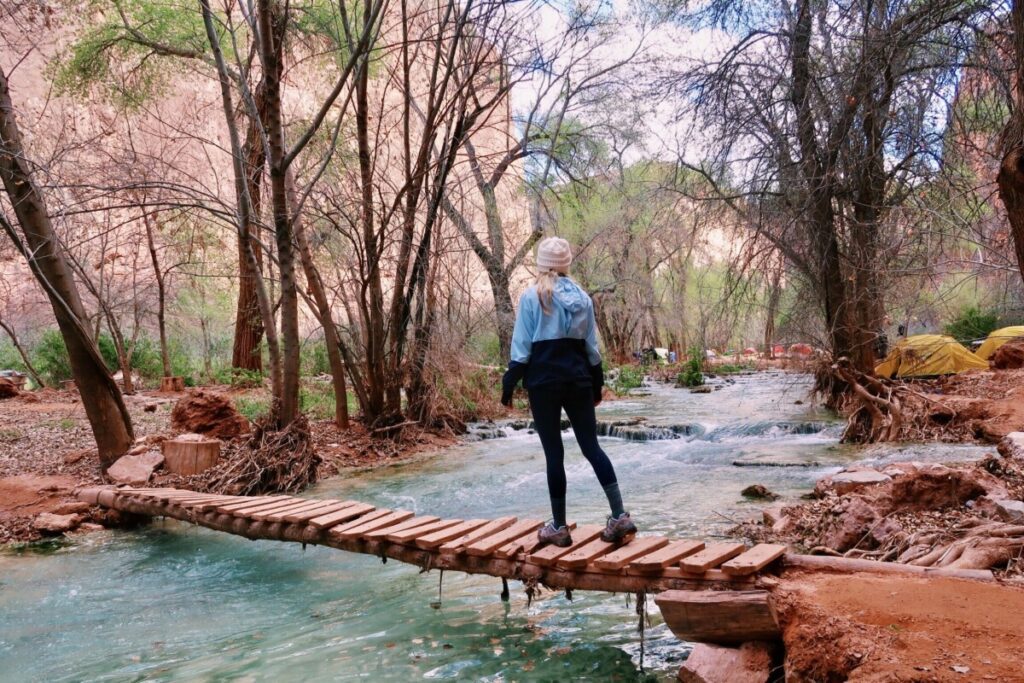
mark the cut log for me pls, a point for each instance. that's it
(846, 565)
(190, 454)
(659, 559)
(170, 385)
(722, 617)
(712, 556)
(754, 560)
(638, 547)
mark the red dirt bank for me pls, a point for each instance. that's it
(884, 629)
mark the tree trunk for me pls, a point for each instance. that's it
(245, 353)
(161, 291)
(774, 294)
(271, 21)
(322, 310)
(103, 403)
(1011, 171)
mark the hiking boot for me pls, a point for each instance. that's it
(619, 529)
(549, 535)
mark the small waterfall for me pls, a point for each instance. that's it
(634, 429)
(769, 428)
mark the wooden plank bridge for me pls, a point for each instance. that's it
(505, 547)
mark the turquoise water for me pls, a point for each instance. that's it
(174, 602)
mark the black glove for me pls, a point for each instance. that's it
(597, 381)
(516, 371)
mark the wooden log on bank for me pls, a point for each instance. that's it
(721, 617)
(846, 565)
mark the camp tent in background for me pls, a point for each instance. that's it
(998, 338)
(927, 355)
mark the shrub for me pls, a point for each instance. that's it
(628, 377)
(691, 376)
(252, 407)
(238, 378)
(50, 358)
(314, 358)
(972, 323)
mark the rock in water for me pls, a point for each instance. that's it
(1009, 356)
(8, 389)
(208, 413)
(49, 523)
(758, 492)
(749, 663)
(135, 469)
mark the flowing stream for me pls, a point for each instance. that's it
(173, 602)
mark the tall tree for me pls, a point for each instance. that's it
(1011, 171)
(41, 247)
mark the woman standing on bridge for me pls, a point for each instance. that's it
(554, 350)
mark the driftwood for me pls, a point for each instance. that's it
(847, 565)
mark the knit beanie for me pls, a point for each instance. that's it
(554, 253)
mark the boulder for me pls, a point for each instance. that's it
(773, 513)
(702, 389)
(848, 482)
(749, 663)
(1009, 510)
(855, 519)
(1009, 356)
(1012, 445)
(72, 507)
(758, 492)
(210, 414)
(8, 389)
(49, 523)
(135, 469)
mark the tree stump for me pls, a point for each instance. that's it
(190, 453)
(172, 385)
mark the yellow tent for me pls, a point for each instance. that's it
(997, 339)
(925, 355)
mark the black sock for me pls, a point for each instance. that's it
(614, 499)
(558, 512)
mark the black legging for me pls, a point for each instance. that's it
(546, 403)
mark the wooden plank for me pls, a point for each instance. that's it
(413, 523)
(199, 500)
(341, 516)
(409, 536)
(266, 507)
(623, 555)
(723, 617)
(754, 560)
(324, 508)
(712, 556)
(213, 505)
(261, 500)
(440, 537)
(278, 515)
(361, 529)
(369, 517)
(458, 545)
(584, 555)
(527, 543)
(549, 554)
(659, 559)
(487, 546)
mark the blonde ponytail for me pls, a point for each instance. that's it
(546, 288)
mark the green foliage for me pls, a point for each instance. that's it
(316, 399)
(733, 368)
(50, 357)
(972, 323)
(116, 60)
(691, 376)
(238, 378)
(628, 377)
(253, 407)
(314, 358)
(10, 359)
